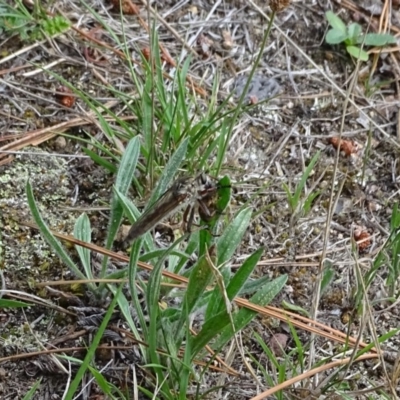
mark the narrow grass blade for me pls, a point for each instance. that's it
(152, 297)
(395, 218)
(132, 276)
(304, 177)
(5, 303)
(100, 161)
(186, 371)
(32, 391)
(49, 237)
(92, 349)
(169, 172)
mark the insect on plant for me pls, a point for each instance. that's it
(199, 192)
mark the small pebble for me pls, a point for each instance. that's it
(60, 143)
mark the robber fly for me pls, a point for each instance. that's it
(185, 191)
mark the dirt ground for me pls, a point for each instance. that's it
(318, 92)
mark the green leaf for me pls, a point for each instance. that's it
(382, 339)
(132, 213)
(232, 236)
(169, 172)
(82, 231)
(235, 285)
(101, 381)
(198, 282)
(100, 160)
(210, 329)
(304, 177)
(335, 36)
(336, 22)
(132, 279)
(309, 200)
(242, 318)
(395, 218)
(358, 53)
(242, 275)
(224, 193)
(32, 391)
(327, 277)
(53, 242)
(294, 308)
(354, 31)
(4, 303)
(377, 39)
(252, 285)
(123, 182)
(90, 353)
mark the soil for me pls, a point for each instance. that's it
(304, 94)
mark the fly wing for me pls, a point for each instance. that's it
(184, 191)
(172, 200)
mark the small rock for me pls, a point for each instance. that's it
(60, 143)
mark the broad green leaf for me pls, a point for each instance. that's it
(199, 279)
(358, 53)
(211, 328)
(123, 182)
(235, 285)
(327, 277)
(232, 236)
(240, 278)
(243, 317)
(251, 286)
(82, 231)
(215, 300)
(354, 31)
(377, 39)
(127, 168)
(224, 193)
(336, 22)
(395, 218)
(132, 279)
(186, 371)
(334, 36)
